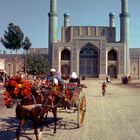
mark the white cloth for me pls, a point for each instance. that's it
(74, 75)
(52, 70)
(55, 81)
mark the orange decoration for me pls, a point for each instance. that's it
(17, 86)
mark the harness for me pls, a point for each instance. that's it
(46, 98)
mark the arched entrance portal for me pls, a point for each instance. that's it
(112, 71)
(65, 71)
(89, 61)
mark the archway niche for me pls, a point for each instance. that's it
(112, 55)
(89, 61)
(65, 54)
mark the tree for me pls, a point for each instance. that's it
(13, 39)
(26, 44)
(23, 67)
(37, 63)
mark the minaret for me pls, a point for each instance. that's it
(112, 19)
(53, 27)
(66, 20)
(124, 32)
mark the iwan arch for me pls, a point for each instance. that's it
(92, 51)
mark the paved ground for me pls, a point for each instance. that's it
(113, 117)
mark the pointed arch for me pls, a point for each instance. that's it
(89, 61)
(65, 54)
(112, 55)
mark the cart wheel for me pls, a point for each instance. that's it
(81, 111)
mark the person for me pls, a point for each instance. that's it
(58, 73)
(129, 77)
(83, 77)
(34, 77)
(3, 78)
(104, 88)
(54, 78)
(109, 79)
(74, 78)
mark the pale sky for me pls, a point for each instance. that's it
(32, 17)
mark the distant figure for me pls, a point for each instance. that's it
(3, 78)
(129, 77)
(108, 79)
(104, 88)
(126, 79)
(74, 78)
(83, 77)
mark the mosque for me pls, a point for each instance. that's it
(92, 51)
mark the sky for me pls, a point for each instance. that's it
(32, 17)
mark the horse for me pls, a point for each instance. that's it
(34, 106)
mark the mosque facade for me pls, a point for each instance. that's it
(92, 51)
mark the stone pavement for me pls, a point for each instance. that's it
(113, 117)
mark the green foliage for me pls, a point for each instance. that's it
(26, 44)
(36, 64)
(13, 37)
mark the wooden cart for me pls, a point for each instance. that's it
(76, 99)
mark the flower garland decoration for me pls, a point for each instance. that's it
(16, 87)
(26, 88)
(8, 99)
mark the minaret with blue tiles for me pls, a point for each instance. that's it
(124, 33)
(53, 28)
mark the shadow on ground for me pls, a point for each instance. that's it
(8, 128)
(9, 125)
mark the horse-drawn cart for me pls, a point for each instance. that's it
(35, 100)
(72, 100)
(76, 101)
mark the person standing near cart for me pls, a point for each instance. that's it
(74, 78)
